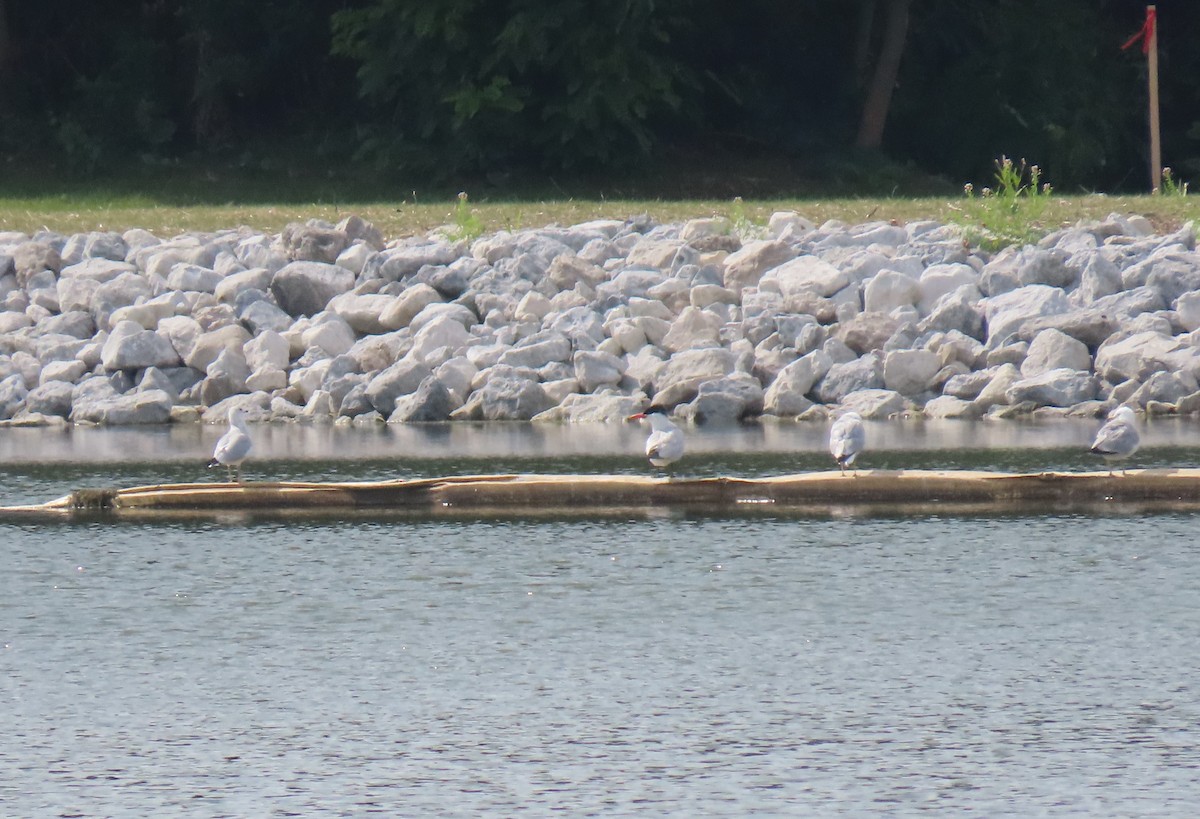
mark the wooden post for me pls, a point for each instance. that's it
(1156, 165)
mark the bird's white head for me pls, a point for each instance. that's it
(1125, 415)
(237, 415)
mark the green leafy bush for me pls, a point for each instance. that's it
(1011, 212)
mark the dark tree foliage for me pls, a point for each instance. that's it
(482, 85)
(489, 82)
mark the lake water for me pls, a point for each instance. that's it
(692, 665)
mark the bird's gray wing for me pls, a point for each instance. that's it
(1116, 438)
(233, 447)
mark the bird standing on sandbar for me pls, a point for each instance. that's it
(1118, 438)
(664, 446)
(846, 439)
(234, 446)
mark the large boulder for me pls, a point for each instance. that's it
(1053, 350)
(745, 267)
(804, 274)
(130, 347)
(1007, 313)
(402, 378)
(680, 379)
(593, 409)
(431, 402)
(910, 372)
(511, 398)
(1055, 388)
(874, 403)
(864, 373)
(305, 288)
(787, 394)
(1137, 356)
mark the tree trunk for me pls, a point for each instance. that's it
(862, 42)
(879, 94)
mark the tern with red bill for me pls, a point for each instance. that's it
(664, 446)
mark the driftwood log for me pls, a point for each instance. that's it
(816, 493)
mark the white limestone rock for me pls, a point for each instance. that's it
(1136, 356)
(592, 409)
(887, 290)
(1055, 388)
(1006, 313)
(680, 379)
(305, 288)
(130, 347)
(745, 267)
(1053, 350)
(910, 372)
(804, 275)
(874, 403)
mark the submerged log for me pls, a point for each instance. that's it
(815, 493)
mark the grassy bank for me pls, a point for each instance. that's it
(172, 198)
(69, 214)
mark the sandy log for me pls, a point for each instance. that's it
(870, 492)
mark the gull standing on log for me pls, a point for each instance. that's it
(1118, 438)
(234, 446)
(664, 446)
(846, 439)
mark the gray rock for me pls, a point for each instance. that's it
(13, 394)
(206, 347)
(193, 278)
(305, 288)
(312, 242)
(101, 270)
(50, 398)
(745, 267)
(225, 376)
(538, 350)
(592, 409)
(968, 385)
(150, 407)
(1055, 388)
(510, 398)
(867, 332)
(874, 403)
(262, 316)
(958, 311)
(401, 378)
(940, 279)
(996, 392)
(1137, 356)
(431, 402)
(804, 274)
(1054, 350)
(865, 373)
(594, 369)
(909, 372)
(947, 406)
(725, 400)
(1006, 313)
(400, 262)
(680, 379)
(1165, 387)
(129, 347)
(887, 290)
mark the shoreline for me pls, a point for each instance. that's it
(715, 321)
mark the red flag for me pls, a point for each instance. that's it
(1145, 32)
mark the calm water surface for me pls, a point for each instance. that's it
(693, 666)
